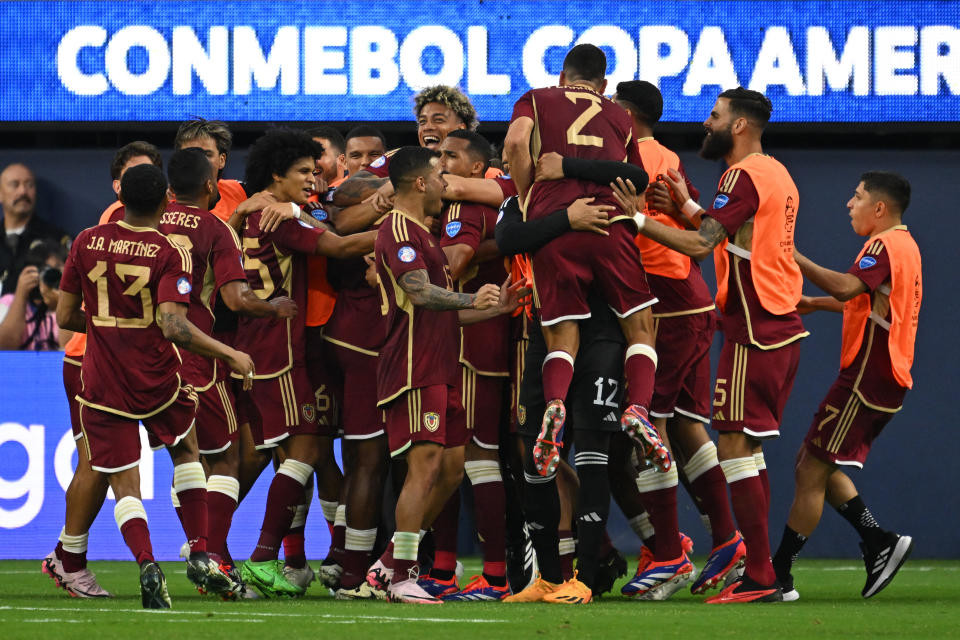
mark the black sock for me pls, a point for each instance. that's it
(790, 545)
(441, 574)
(856, 513)
(541, 505)
(496, 581)
(593, 500)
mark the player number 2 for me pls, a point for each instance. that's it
(573, 131)
(141, 276)
(609, 402)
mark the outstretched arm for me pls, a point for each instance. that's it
(842, 286)
(240, 298)
(416, 284)
(172, 318)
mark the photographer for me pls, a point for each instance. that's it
(27, 316)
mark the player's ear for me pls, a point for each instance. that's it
(116, 187)
(603, 87)
(563, 79)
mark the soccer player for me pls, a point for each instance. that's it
(67, 563)
(417, 368)
(282, 163)
(364, 145)
(138, 284)
(749, 228)
(467, 239)
(215, 139)
(333, 162)
(574, 119)
(681, 394)
(879, 297)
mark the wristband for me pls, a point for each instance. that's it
(295, 209)
(640, 220)
(690, 208)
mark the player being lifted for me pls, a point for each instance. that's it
(137, 284)
(417, 370)
(749, 227)
(574, 119)
(879, 297)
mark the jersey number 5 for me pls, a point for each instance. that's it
(141, 276)
(254, 264)
(593, 108)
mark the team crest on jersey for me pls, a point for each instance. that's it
(521, 414)
(453, 228)
(431, 421)
(319, 214)
(867, 261)
(309, 412)
(183, 286)
(407, 254)
(720, 201)
(376, 164)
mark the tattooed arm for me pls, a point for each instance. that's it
(416, 284)
(696, 244)
(357, 188)
(172, 318)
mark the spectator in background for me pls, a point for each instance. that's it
(28, 315)
(22, 228)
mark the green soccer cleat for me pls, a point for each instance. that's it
(268, 578)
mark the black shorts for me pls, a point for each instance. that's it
(593, 401)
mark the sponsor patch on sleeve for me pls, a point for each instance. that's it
(453, 228)
(867, 261)
(183, 286)
(720, 201)
(407, 254)
(376, 164)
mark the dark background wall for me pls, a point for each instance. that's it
(911, 478)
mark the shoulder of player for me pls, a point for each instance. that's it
(736, 180)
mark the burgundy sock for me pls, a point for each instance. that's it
(193, 504)
(557, 373)
(711, 489)
(293, 553)
(355, 564)
(338, 543)
(749, 505)
(72, 562)
(567, 555)
(489, 502)
(639, 371)
(445, 534)
(661, 505)
(137, 537)
(387, 557)
(220, 508)
(282, 500)
(765, 481)
(401, 569)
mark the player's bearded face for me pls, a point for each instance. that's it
(718, 142)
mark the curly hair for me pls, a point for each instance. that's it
(275, 152)
(451, 97)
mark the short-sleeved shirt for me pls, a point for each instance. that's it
(744, 316)
(381, 166)
(575, 122)
(276, 265)
(483, 346)
(421, 345)
(217, 260)
(123, 274)
(871, 372)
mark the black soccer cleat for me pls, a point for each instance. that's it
(153, 587)
(612, 566)
(521, 563)
(884, 562)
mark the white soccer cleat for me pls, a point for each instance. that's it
(409, 592)
(79, 584)
(299, 577)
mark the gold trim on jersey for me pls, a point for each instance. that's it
(213, 379)
(521, 364)
(863, 367)
(228, 411)
(347, 345)
(134, 416)
(85, 438)
(404, 304)
(735, 265)
(400, 227)
(847, 417)
(738, 382)
(288, 398)
(468, 382)
(70, 360)
(729, 180)
(689, 312)
(414, 406)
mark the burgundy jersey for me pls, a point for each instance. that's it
(357, 322)
(381, 166)
(745, 321)
(484, 345)
(217, 260)
(421, 345)
(580, 123)
(123, 274)
(276, 265)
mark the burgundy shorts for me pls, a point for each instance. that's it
(73, 385)
(216, 418)
(683, 366)
(518, 354)
(752, 388)
(482, 398)
(361, 418)
(112, 442)
(327, 382)
(284, 406)
(426, 414)
(844, 428)
(565, 269)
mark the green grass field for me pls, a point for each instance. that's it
(922, 602)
